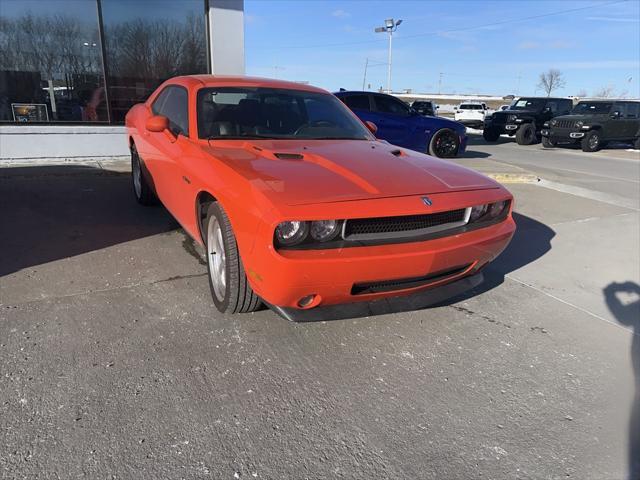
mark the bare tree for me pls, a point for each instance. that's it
(604, 92)
(551, 80)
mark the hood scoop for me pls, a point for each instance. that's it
(288, 156)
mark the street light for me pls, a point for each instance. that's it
(390, 26)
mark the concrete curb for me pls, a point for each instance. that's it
(513, 177)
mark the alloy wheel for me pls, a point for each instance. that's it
(216, 258)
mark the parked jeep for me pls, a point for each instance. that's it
(524, 118)
(593, 123)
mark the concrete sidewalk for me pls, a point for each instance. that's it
(501, 172)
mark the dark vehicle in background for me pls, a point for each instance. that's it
(525, 118)
(594, 123)
(401, 125)
(425, 107)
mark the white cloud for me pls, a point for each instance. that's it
(340, 14)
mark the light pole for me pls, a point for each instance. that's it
(390, 26)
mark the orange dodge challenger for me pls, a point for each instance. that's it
(298, 205)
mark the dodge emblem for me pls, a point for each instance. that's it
(427, 201)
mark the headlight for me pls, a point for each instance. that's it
(291, 233)
(488, 211)
(554, 122)
(324, 230)
(579, 124)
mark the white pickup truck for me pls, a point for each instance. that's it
(471, 114)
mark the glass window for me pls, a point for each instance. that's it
(173, 104)
(359, 102)
(51, 62)
(391, 105)
(274, 113)
(552, 106)
(470, 106)
(147, 43)
(633, 110)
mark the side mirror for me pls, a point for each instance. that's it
(157, 123)
(615, 114)
(160, 124)
(373, 128)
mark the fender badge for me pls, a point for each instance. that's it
(427, 201)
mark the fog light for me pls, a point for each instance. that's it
(307, 301)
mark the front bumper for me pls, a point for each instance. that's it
(562, 136)
(283, 277)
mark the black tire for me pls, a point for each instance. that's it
(236, 296)
(548, 143)
(591, 141)
(444, 144)
(526, 134)
(143, 192)
(490, 135)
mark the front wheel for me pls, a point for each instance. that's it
(141, 189)
(526, 134)
(591, 142)
(548, 143)
(444, 144)
(228, 281)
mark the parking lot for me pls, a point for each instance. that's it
(114, 360)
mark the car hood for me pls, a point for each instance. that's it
(516, 112)
(583, 117)
(441, 122)
(320, 171)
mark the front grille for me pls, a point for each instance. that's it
(499, 118)
(385, 226)
(404, 283)
(565, 124)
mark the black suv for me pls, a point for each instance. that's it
(593, 123)
(524, 118)
(424, 107)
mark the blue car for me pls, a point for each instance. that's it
(400, 125)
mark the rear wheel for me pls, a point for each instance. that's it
(228, 281)
(490, 135)
(141, 189)
(444, 143)
(526, 134)
(591, 142)
(548, 143)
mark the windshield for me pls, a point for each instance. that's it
(529, 104)
(591, 107)
(253, 112)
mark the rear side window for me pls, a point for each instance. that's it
(633, 110)
(173, 104)
(391, 105)
(358, 102)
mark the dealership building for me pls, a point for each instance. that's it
(71, 69)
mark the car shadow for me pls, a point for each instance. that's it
(55, 212)
(474, 154)
(531, 241)
(623, 300)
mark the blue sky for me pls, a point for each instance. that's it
(480, 47)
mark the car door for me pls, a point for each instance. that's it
(395, 120)
(631, 115)
(166, 151)
(614, 126)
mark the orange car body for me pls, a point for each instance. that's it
(324, 179)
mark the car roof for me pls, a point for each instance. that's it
(242, 81)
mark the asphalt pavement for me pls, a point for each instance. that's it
(115, 364)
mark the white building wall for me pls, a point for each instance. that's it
(226, 27)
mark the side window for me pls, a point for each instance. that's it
(176, 109)
(633, 110)
(566, 106)
(391, 105)
(156, 106)
(360, 102)
(618, 107)
(553, 107)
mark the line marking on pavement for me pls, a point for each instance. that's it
(590, 219)
(591, 174)
(594, 315)
(610, 198)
